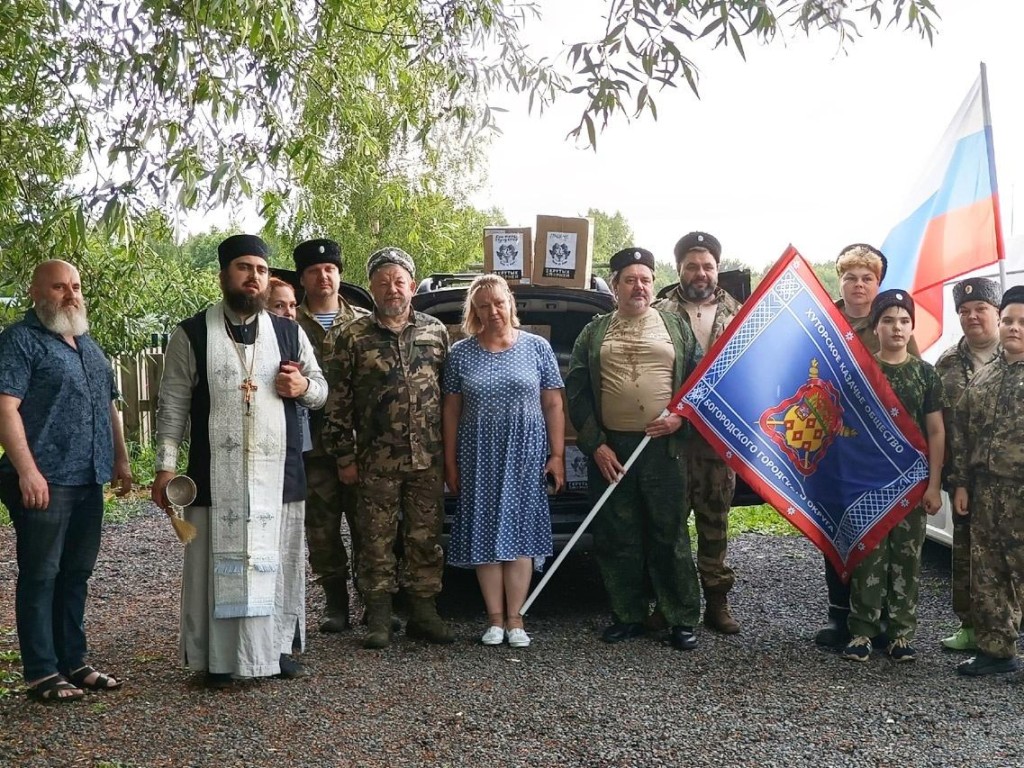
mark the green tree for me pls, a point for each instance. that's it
(612, 233)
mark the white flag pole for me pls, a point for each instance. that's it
(586, 522)
(987, 112)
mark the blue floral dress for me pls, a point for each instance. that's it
(502, 447)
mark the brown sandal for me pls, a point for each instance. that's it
(48, 691)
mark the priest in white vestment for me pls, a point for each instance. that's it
(235, 375)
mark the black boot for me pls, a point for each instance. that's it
(835, 633)
(336, 612)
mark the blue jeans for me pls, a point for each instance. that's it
(57, 549)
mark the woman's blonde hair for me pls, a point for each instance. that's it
(471, 324)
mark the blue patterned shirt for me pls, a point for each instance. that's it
(65, 398)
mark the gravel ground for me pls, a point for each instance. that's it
(767, 697)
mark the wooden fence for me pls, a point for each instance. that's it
(138, 380)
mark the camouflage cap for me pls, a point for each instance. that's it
(390, 255)
(976, 289)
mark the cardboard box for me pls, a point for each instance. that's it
(544, 331)
(508, 251)
(563, 252)
(455, 332)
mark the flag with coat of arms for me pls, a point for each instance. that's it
(798, 407)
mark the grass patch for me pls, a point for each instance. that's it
(761, 519)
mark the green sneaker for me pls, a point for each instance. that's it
(961, 640)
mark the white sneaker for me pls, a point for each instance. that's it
(517, 638)
(493, 636)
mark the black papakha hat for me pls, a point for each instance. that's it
(894, 297)
(390, 255)
(1013, 295)
(240, 245)
(628, 256)
(976, 289)
(692, 240)
(863, 252)
(311, 252)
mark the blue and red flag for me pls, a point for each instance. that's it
(950, 223)
(796, 404)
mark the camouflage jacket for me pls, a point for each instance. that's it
(727, 308)
(862, 327)
(387, 387)
(917, 386)
(323, 347)
(583, 382)
(988, 425)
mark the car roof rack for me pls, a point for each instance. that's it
(440, 280)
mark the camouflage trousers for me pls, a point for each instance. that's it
(961, 569)
(711, 484)
(888, 580)
(641, 542)
(329, 505)
(997, 564)
(418, 495)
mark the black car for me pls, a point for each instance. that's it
(560, 314)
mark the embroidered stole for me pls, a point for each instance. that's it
(247, 455)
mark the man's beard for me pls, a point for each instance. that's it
(241, 303)
(64, 320)
(391, 309)
(692, 292)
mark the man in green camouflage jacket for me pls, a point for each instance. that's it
(707, 309)
(977, 303)
(385, 385)
(988, 464)
(321, 315)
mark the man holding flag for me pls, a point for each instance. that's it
(707, 309)
(625, 367)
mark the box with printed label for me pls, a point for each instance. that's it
(563, 252)
(508, 251)
(575, 467)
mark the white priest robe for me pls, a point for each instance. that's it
(243, 579)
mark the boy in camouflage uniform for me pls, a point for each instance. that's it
(988, 457)
(887, 579)
(977, 303)
(385, 385)
(861, 269)
(322, 314)
(707, 309)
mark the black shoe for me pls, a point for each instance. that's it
(291, 669)
(834, 634)
(983, 664)
(619, 631)
(218, 680)
(682, 638)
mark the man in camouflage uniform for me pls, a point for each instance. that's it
(624, 370)
(887, 579)
(708, 310)
(385, 381)
(977, 303)
(322, 314)
(988, 464)
(861, 269)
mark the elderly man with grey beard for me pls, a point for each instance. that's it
(62, 441)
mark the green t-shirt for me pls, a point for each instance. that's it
(918, 387)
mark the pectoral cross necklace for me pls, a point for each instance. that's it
(248, 385)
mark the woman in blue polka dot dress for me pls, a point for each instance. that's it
(503, 432)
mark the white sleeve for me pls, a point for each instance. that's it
(316, 395)
(179, 379)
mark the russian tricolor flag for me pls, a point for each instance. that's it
(951, 221)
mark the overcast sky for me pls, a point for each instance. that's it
(801, 143)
